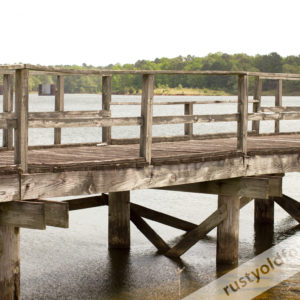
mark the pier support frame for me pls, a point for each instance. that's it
(9, 263)
(228, 231)
(119, 220)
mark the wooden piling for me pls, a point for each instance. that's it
(256, 105)
(8, 107)
(188, 128)
(263, 212)
(278, 102)
(106, 100)
(59, 106)
(228, 231)
(9, 263)
(119, 220)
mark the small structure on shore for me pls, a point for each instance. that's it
(47, 89)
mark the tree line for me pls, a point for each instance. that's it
(131, 84)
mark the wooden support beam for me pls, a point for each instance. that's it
(244, 201)
(188, 128)
(87, 202)
(119, 220)
(193, 236)
(290, 205)
(149, 233)
(106, 101)
(146, 114)
(242, 124)
(228, 231)
(162, 218)
(256, 105)
(59, 105)
(23, 214)
(263, 212)
(278, 102)
(10, 263)
(21, 132)
(243, 187)
(56, 213)
(8, 107)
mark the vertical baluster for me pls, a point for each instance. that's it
(21, 131)
(256, 106)
(8, 107)
(188, 128)
(242, 124)
(278, 102)
(146, 114)
(59, 105)
(106, 100)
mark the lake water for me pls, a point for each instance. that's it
(75, 263)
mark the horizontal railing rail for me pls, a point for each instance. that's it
(21, 119)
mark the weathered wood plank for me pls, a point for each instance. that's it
(21, 132)
(119, 220)
(180, 102)
(87, 202)
(106, 101)
(10, 262)
(59, 106)
(146, 114)
(290, 205)
(148, 232)
(83, 122)
(188, 128)
(275, 116)
(162, 218)
(8, 107)
(244, 201)
(278, 102)
(243, 187)
(82, 114)
(9, 187)
(284, 109)
(228, 231)
(242, 124)
(108, 180)
(56, 213)
(193, 236)
(23, 214)
(256, 106)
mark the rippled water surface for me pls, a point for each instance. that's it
(75, 263)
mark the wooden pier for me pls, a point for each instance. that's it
(238, 167)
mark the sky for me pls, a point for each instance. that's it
(100, 33)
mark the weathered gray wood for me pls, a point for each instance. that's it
(106, 101)
(290, 205)
(10, 263)
(256, 106)
(188, 128)
(44, 185)
(278, 102)
(243, 187)
(56, 213)
(193, 236)
(228, 231)
(242, 124)
(284, 109)
(21, 132)
(23, 214)
(161, 120)
(59, 105)
(119, 220)
(275, 116)
(83, 122)
(162, 218)
(244, 201)
(8, 107)
(82, 114)
(149, 233)
(146, 114)
(9, 187)
(87, 202)
(180, 102)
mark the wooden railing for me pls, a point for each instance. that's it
(20, 119)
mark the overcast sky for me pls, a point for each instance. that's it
(103, 32)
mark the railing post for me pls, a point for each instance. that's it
(188, 128)
(21, 131)
(106, 100)
(8, 107)
(278, 102)
(242, 124)
(256, 106)
(146, 114)
(59, 105)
